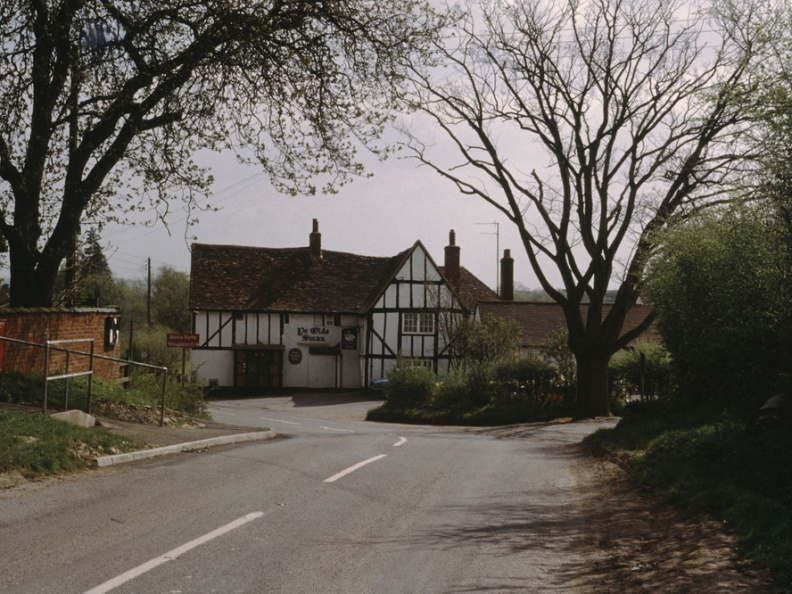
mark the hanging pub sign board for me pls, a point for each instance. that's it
(185, 341)
(349, 339)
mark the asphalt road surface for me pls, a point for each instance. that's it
(336, 505)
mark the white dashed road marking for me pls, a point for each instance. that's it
(352, 469)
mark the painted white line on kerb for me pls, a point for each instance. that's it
(171, 555)
(339, 430)
(278, 421)
(401, 442)
(352, 469)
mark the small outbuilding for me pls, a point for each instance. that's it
(74, 329)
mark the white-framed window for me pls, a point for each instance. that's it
(418, 323)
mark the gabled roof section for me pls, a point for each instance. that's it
(471, 290)
(538, 320)
(240, 278)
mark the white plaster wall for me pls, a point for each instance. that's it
(319, 371)
(217, 365)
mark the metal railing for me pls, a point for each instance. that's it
(50, 346)
(67, 375)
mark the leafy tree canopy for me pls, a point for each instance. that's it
(104, 103)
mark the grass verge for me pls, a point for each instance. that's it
(34, 445)
(740, 477)
(146, 391)
(37, 446)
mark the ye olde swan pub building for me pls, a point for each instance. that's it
(310, 318)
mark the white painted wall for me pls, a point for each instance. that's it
(209, 365)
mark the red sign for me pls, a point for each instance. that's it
(185, 341)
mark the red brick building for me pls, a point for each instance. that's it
(39, 325)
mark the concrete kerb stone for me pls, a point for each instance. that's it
(184, 447)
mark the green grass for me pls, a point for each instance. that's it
(36, 446)
(147, 390)
(717, 467)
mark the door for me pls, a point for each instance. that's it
(258, 368)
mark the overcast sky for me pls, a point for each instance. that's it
(378, 216)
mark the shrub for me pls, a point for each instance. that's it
(555, 350)
(718, 288)
(487, 341)
(410, 386)
(528, 380)
(451, 391)
(642, 371)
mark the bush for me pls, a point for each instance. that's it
(721, 297)
(527, 380)
(555, 350)
(484, 342)
(451, 391)
(643, 371)
(410, 386)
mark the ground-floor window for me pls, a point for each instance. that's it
(258, 368)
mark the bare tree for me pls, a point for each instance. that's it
(590, 124)
(104, 103)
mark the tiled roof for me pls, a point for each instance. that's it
(243, 278)
(471, 290)
(538, 320)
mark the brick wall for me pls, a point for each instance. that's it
(40, 325)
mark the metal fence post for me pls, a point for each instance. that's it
(90, 376)
(164, 388)
(66, 382)
(46, 374)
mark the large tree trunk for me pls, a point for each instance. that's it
(32, 281)
(592, 383)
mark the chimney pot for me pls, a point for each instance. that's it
(315, 240)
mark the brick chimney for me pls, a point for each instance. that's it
(315, 240)
(452, 259)
(507, 277)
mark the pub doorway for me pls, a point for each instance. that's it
(258, 368)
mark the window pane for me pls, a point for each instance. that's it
(426, 324)
(410, 323)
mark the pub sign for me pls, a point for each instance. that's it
(349, 339)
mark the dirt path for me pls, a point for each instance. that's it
(634, 543)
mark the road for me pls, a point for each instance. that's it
(336, 505)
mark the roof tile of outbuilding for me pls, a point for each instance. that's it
(538, 320)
